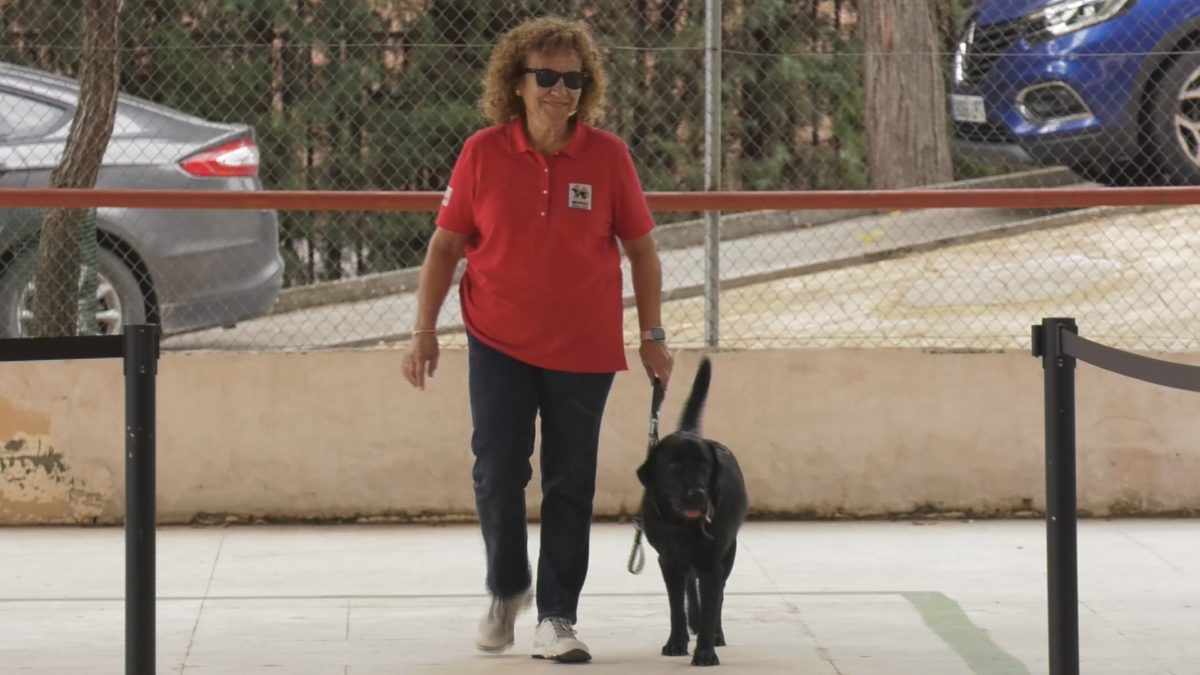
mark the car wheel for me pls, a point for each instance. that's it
(119, 298)
(1174, 125)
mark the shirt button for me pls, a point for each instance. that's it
(545, 192)
(543, 213)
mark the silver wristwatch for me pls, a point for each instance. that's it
(656, 334)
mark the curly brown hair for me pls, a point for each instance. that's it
(547, 35)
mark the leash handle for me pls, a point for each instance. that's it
(637, 557)
(656, 399)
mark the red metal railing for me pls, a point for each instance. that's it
(293, 200)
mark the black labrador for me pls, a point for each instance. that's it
(695, 501)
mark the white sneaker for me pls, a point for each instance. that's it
(555, 639)
(496, 626)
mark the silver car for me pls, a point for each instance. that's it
(181, 269)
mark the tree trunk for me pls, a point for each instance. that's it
(907, 138)
(63, 235)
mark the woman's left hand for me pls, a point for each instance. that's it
(657, 359)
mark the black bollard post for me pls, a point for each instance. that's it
(1061, 547)
(141, 367)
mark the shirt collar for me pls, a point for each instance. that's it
(519, 138)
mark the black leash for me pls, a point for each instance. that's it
(637, 557)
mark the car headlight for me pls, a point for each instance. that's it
(1061, 18)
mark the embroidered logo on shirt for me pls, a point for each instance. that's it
(579, 196)
(446, 197)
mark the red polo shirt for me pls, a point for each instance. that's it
(543, 279)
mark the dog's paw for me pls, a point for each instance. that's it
(705, 656)
(675, 647)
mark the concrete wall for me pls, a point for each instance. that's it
(339, 434)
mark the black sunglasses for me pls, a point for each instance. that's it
(547, 78)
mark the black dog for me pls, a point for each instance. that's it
(695, 502)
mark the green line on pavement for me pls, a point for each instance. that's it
(945, 618)
(940, 613)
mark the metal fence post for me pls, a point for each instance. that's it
(712, 170)
(1061, 551)
(141, 367)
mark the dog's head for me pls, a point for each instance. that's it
(682, 473)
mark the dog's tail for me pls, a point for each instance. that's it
(690, 421)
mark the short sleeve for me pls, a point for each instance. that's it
(457, 212)
(631, 214)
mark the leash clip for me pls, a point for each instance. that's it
(708, 514)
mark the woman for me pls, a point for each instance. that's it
(536, 203)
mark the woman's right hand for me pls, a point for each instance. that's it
(420, 359)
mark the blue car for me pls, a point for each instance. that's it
(1109, 88)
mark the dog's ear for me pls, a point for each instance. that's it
(645, 474)
(714, 476)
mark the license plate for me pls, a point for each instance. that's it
(967, 108)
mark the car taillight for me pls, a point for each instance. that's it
(237, 158)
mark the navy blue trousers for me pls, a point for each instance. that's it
(507, 397)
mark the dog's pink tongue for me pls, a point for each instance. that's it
(692, 513)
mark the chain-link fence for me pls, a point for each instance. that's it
(816, 94)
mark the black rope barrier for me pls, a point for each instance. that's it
(1154, 371)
